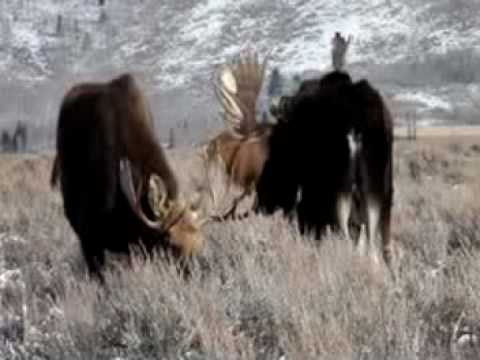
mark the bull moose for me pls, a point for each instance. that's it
(118, 188)
(331, 157)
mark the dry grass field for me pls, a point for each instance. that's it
(259, 290)
(452, 134)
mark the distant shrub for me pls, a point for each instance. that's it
(15, 142)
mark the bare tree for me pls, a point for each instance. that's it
(411, 119)
(275, 86)
(171, 138)
(59, 26)
(19, 138)
(6, 141)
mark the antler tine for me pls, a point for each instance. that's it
(229, 105)
(226, 100)
(250, 65)
(261, 66)
(227, 92)
(266, 60)
(259, 72)
(258, 67)
(126, 183)
(157, 195)
(224, 92)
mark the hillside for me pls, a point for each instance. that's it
(414, 50)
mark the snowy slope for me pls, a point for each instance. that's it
(298, 33)
(175, 41)
(173, 46)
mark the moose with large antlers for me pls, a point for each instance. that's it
(118, 188)
(242, 148)
(328, 156)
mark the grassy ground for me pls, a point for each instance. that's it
(259, 290)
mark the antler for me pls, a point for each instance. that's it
(157, 198)
(237, 88)
(339, 50)
(167, 212)
(126, 183)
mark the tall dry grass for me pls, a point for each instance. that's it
(259, 290)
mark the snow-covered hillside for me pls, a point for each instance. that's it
(175, 40)
(175, 45)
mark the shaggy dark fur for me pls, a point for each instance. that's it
(98, 125)
(310, 161)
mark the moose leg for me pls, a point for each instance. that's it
(345, 196)
(231, 213)
(93, 235)
(344, 208)
(361, 213)
(94, 257)
(373, 222)
(385, 232)
(362, 245)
